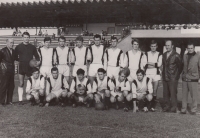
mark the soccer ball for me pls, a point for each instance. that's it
(99, 106)
(34, 63)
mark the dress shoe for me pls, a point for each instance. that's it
(183, 112)
(125, 109)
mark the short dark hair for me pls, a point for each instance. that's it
(125, 71)
(190, 43)
(54, 69)
(135, 40)
(47, 39)
(97, 36)
(80, 71)
(140, 71)
(35, 70)
(101, 70)
(114, 38)
(154, 42)
(170, 41)
(26, 33)
(79, 38)
(61, 37)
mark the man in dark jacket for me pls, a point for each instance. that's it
(172, 67)
(190, 76)
(7, 72)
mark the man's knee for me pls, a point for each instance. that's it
(29, 96)
(112, 99)
(149, 97)
(129, 97)
(90, 96)
(41, 92)
(64, 93)
(107, 93)
(120, 98)
(125, 93)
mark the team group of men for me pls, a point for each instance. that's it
(131, 78)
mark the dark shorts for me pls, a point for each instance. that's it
(25, 69)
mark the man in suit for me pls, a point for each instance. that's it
(7, 72)
(172, 67)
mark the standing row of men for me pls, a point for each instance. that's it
(111, 62)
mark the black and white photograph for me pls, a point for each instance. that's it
(99, 68)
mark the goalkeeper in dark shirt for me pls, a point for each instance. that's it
(24, 53)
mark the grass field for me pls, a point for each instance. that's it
(17, 121)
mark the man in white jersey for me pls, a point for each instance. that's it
(142, 90)
(136, 59)
(35, 88)
(46, 58)
(81, 53)
(104, 84)
(120, 89)
(97, 57)
(62, 57)
(154, 62)
(81, 90)
(114, 59)
(57, 87)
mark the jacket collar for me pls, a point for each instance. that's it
(191, 53)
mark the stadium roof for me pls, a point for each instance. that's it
(63, 12)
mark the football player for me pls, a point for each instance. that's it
(115, 59)
(35, 88)
(104, 84)
(121, 88)
(81, 90)
(142, 90)
(57, 87)
(154, 62)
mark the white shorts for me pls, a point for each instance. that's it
(35, 95)
(57, 93)
(132, 75)
(154, 77)
(45, 70)
(93, 69)
(63, 69)
(113, 71)
(78, 67)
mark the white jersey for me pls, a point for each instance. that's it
(46, 56)
(136, 60)
(54, 85)
(80, 55)
(76, 82)
(62, 55)
(114, 58)
(154, 58)
(97, 54)
(142, 86)
(105, 84)
(35, 83)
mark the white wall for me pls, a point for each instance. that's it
(49, 30)
(6, 31)
(97, 28)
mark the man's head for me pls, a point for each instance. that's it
(10, 43)
(35, 73)
(101, 73)
(190, 47)
(47, 41)
(61, 41)
(54, 72)
(153, 45)
(135, 44)
(123, 74)
(97, 39)
(80, 74)
(169, 45)
(79, 41)
(140, 74)
(26, 37)
(113, 42)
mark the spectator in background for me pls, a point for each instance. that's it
(46, 33)
(35, 42)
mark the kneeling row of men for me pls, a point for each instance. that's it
(103, 89)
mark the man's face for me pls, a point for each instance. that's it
(97, 41)
(153, 47)
(169, 46)
(10, 43)
(113, 43)
(79, 44)
(54, 74)
(36, 74)
(26, 39)
(62, 42)
(101, 75)
(140, 76)
(80, 77)
(135, 45)
(122, 77)
(47, 43)
(190, 48)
